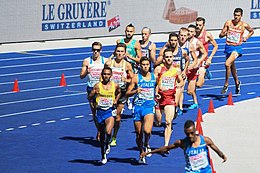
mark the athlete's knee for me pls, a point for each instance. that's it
(168, 123)
(189, 92)
(199, 85)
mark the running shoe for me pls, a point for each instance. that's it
(129, 104)
(208, 74)
(113, 142)
(238, 87)
(148, 149)
(142, 160)
(224, 89)
(179, 112)
(194, 106)
(107, 149)
(104, 160)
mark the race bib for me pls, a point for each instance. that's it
(105, 102)
(168, 82)
(147, 93)
(233, 37)
(199, 161)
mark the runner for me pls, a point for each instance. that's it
(233, 30)
(143, 114)
(195, 150)
(121, 68)
(205, 37)
(91, 69)
(168, 76)
(107, 94)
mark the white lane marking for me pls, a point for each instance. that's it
(43, 63)
(36, 124)
(190, 100)
(44, 109)
(50, 121)
(40, 71)
(65, 119)
(206, 98)
(22, 127)
(37, 80)
(79, 116)
(251, 93)
(43, 98)
(9, 129)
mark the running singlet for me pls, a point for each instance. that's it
(235, 34)
(202, 38)
(94, 72)
(147, 91)
(167, 79)
(105, 98)
(145, 49)
(194, 42)
(197, 160)
(118, 72)
(179, 60)
(130, 48)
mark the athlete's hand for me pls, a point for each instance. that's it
(208, 62)
(138, 90)
(142, 155)
(244, 39)
(158, 96)
(224, 158)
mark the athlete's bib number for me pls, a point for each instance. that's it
(233, 37)
(168, 82)
(105, 102)
(147, 93)
(198, 161)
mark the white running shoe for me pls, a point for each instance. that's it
(148, 149)
(108, 149)
(129, 104)
(142, 160)
(104, 161)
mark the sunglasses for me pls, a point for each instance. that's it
(98, 50)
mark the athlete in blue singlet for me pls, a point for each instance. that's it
(195, 149)
(143, 114)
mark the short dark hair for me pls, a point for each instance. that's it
(188, 124)
(144, 58)
(121, 45)
(192, 26)
(96, 43)
(173, 34)
(201, 19)
(106, 68)
(130, 25)
(238, 10)
(149, 29)
(167, 50)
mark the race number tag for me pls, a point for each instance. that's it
(233, 37)
(105, 102)
(168, 82)
(199, 161)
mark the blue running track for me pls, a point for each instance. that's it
(48, 128)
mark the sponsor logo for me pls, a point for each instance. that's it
(255, 9)
(113, 23)
(77, 15)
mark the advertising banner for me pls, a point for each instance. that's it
(30, 20)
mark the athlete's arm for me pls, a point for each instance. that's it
(210, 143)
(164, 149)
(84, 69)
(160, 56)
(129, 71)
(215, 47)
(93, 92)
(117, 93)
(179, 78)
(223, 32)
(138, 51)
(153, 52)
(203, 52)
(194, 56)
(187, 58)
(130, 88)
(250, 30)
(107, 63)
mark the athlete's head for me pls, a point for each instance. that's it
(168, 56)
(183, 35)
(120, 51)
(238, 13)
(173, 39)
(106, 74)
(190, 130)
(96, 49)
(146, 33)
(191, 31)
(200, 23)
(129, 31)
(145, 64)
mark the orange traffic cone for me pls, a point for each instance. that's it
(62, 80)
(211, 162)
(16, 87)
(230, 100)
(199, 116)
(199, 128)
(211, 107)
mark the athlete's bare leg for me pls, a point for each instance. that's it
(229, 62)
(201, 77)
(148, 125)
(169, 111)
